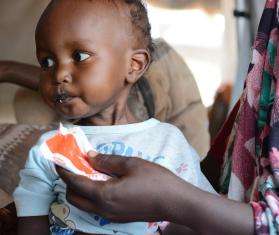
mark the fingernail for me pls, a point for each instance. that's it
(92, 154)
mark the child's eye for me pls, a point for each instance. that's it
(47, 63)
(81, 56)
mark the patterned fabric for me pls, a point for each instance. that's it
(15, 143)
(249, 150)
(56, 230)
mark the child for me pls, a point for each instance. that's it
(91, 54)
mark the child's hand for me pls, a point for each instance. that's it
(138, 192)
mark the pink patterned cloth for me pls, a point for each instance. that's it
(248, 146)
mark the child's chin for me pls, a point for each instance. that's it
(75, 117)
(72, 117)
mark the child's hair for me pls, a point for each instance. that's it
(140, 22)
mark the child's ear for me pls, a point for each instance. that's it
(139, 63)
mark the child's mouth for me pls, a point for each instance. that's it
(62, 98)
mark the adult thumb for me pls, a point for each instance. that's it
(109, 164)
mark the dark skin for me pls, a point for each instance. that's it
(123, 198)
(20, 73)
(89, 63)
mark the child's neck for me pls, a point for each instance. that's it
(108, 120)
(116, 114)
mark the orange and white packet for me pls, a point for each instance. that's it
(68, 148)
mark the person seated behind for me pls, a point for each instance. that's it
(92, 53)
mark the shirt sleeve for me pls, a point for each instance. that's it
(266, 218)
(34, 193)
(202, 181)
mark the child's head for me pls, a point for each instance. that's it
(92, 52)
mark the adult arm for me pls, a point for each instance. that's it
(19, 73)
(143, 191)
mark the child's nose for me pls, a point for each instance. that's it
(62, 75)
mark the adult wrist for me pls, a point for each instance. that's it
(185, 205)
(177, 201)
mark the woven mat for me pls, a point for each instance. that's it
(15, 143)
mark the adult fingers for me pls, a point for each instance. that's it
(111, 165)
(99, 209)
(81, 202)
(81, 184)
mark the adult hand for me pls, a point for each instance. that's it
(137, 191)
(143, 191)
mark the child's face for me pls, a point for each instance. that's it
(84, 50)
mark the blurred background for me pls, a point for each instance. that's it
(213, 37)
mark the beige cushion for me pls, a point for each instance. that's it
(177, 97)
